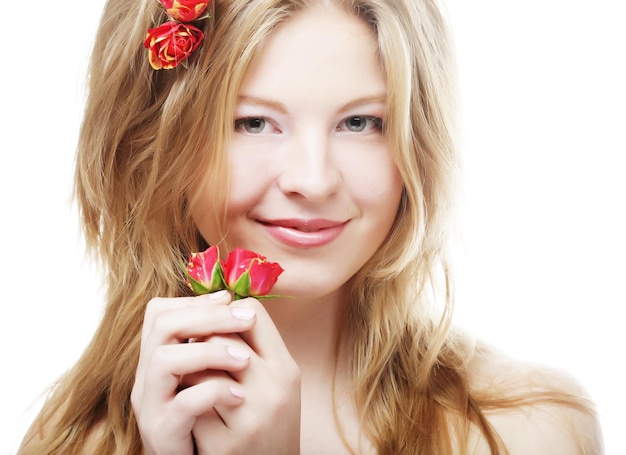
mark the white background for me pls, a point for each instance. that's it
(542, 269)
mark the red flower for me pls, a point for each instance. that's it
(204, 271)
(171, 43)
(245, 272)
(185, 10)
(250, 274)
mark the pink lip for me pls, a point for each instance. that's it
(304, 233)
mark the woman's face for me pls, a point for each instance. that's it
(313, 185)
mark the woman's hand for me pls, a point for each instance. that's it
(233, 390)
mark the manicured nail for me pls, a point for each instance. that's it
(244, 314)
(237, 392)
(237, 353)
(218, 294)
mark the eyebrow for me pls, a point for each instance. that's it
(280, 107)
(254, 101)
(374, 99)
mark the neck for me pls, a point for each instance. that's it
(310, 329)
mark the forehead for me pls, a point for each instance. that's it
(320, 46)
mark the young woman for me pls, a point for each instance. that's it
(320, 134)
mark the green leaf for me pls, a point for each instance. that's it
(272, 296)
(197, 287)
(217, 277)
(242, 286)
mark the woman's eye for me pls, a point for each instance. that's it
(359, 123)
(251, 125)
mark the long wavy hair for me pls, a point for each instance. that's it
(149, 143)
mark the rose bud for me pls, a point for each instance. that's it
(250, 274)
(171, 43)
(185, 10)
(204, 271)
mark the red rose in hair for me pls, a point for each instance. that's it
(185, 10)
(171, 43)
(250, 274)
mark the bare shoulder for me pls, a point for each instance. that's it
(550, 412)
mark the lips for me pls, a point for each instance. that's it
(304, 233)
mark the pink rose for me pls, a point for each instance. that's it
(185, 10)
(171, 43)
(250, 274)
(204, 271)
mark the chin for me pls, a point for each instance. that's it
(309, 291)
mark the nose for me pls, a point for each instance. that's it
(309, 170)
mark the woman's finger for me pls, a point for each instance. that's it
(168, 427)
(171, 327)
(263, 337)
(171, 362)
(201, 398)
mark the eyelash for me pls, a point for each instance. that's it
(371, 121)
(240, 124)
(376, 122)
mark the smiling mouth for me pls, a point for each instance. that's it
(304, 228)
(304, 233)
(304, 225)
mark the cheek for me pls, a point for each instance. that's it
(376, 183)
(249, 178)
(241, 197)
(249, 182)
(205, 218)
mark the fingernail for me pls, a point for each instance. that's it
(218, 294)
(237, 392)
(237, 353)
(244, 314)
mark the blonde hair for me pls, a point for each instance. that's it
(151, 141)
